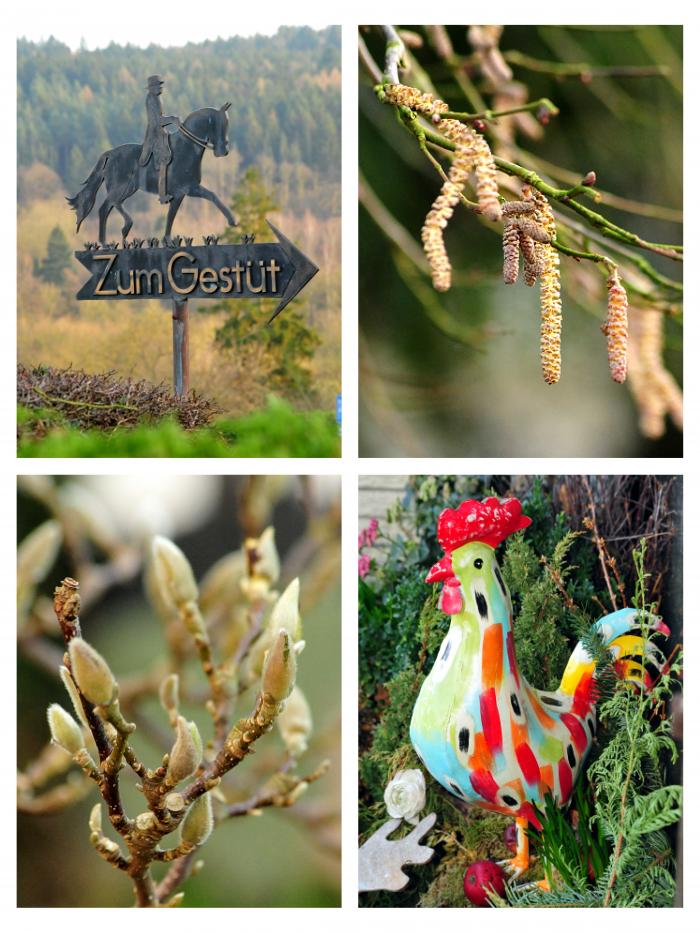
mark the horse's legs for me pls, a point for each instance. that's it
(128, 220)
(199, 191)
(105, 211)
(172, 211)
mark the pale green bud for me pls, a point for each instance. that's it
(173, 572)
(279, 669)
(65, 731)
(91, 673)
(199, 822)
(37, 553)
(295, 723)
(186, 752)
(285, 614)
(169, 693)
(72, 690)
(221, 585)
(95, 821)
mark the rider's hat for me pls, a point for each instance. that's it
(155, 81)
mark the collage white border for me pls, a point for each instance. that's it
(350, 466)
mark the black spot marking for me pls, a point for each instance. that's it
(455, 790)
(464, 740)
(550, 701)
(482, 605)
(514, 703)
(500, 580)
(570, 756)
(591, 726)
(478, 563)
(508, 800)
(446, 652)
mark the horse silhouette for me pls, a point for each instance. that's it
(122, 175)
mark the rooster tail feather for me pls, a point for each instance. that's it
(635, 657)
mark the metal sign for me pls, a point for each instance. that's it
(169, 164)
(180, 270)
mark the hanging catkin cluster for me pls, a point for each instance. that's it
(654, 389)
(546, 257)
(471, 153)
(615, 327)
(522, 234)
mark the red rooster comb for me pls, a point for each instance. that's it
(490, 522)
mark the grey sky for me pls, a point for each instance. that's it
(72, 23)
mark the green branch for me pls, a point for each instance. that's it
(543, 107)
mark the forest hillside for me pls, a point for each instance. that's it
(285, 141)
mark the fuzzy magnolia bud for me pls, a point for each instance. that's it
(173, 573)
(91, 673)
(72, 690)
(65, 731)
(221, 584)
(37, 552)
(280, 669)
(199, 822)
(186, 752)
(285, 614)
(294, 723)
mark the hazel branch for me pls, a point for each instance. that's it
(543, 108)
(563, 195)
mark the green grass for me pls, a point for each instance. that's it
(275, 431)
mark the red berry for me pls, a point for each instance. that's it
(510, 837)
(483, 878)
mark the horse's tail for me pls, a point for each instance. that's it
(84, 200)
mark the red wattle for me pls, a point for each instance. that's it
(451, 597)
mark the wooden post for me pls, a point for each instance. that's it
(181, 346)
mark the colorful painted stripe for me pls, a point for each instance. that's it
(491, 720)
(492, 657)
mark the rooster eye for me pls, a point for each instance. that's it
(478, 563)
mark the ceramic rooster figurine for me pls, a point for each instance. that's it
(478, 727)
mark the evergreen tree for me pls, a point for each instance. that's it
(285, 349)
(53, 266)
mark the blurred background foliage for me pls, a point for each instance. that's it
(288, 857)
(458, 373)
(284, 128)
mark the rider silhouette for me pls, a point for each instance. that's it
(156, 143)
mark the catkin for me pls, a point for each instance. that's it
(533, 260)
(534, 230)
(615, 328)
(654, 389)
(471, 152)
(550, 291)
(511, 252)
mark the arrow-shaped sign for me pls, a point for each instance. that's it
(240, 270)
